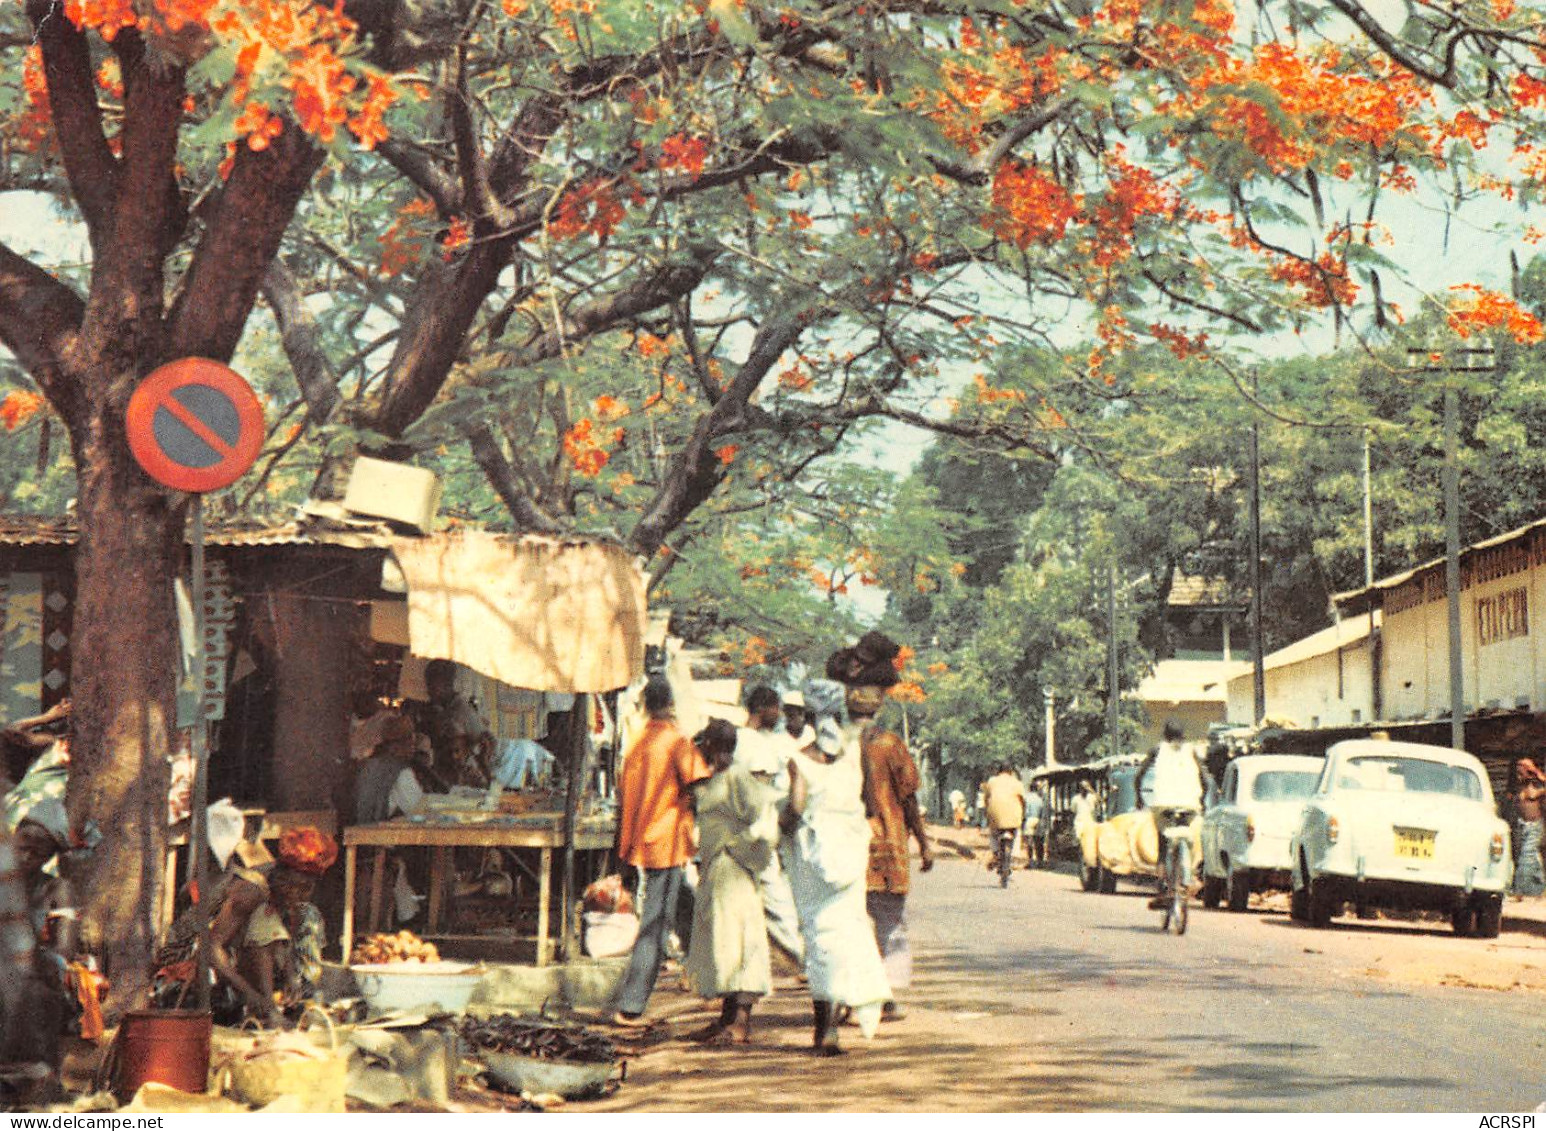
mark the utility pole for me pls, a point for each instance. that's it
(1368, 518)
(1113, 674)
(1475, 359)
(1258, 663)
(1052, 755)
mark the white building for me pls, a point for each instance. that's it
(1324, 680)
(1503, 589)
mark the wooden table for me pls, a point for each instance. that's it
(544, 833)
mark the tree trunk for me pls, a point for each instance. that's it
(124, 690)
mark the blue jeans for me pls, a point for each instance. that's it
(657, 915)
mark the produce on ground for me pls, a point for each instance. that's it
(509, 1033)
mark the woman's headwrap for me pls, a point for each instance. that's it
(824, 699)
(307, 850)
(1526, 768)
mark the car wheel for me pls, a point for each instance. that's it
(1299, 898)
(1463, 920)
(1489, 918)
(1212, 892)
(1108, 881)
(1089, 878)
(1321, 905)
(1238, 887)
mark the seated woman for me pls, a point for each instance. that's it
(265, 936)
(728, 957)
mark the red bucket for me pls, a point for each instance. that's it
(163, 1046)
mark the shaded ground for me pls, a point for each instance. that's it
(1044, 997)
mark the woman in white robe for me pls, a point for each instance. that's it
(828, 855)
(728, 956)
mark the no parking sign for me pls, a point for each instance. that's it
(195, 425)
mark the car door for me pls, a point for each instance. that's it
(1215, 823)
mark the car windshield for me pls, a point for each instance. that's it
(1391, 774)
(1284, 785)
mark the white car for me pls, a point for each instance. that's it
(1245, 834)
(1397, 824)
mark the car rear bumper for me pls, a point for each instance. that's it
(1417, 895)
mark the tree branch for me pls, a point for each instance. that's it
(240, 241)
(72, 98)
(501, 477)
(39, 319)
(301, 342)
(427, 176)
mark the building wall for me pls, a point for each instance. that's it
(1311, 692)
(1502, 618)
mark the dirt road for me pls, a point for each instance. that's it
(1043, 997)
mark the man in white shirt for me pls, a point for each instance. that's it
(765, 752)
(1175, 791)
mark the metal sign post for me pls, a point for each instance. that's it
(195, 425)
(198, 818)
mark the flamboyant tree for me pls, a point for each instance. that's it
(792, 216)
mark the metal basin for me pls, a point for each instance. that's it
(570, 1079)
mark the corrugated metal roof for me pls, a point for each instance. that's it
(51, 530)
(1343, 634)
(1394, 580)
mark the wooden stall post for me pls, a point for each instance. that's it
(579, 750)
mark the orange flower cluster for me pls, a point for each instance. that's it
(18, 407)
(1178, 342)
(1319, 105)
(1028, 206)
(591, 208)
(684, 151)
(987, 394)
(583, 450)
(1325, 282)
(1478, 309)
(36, 125)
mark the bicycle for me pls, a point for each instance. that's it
(1177, 879)
(1005, 849)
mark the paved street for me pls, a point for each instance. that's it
(1044, 997)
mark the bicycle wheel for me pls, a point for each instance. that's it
(1179, 874)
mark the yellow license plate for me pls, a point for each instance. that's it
(1415, 844)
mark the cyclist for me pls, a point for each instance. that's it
(1174, 795)
(1003, 800)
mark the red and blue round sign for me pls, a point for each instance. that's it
(195, 425)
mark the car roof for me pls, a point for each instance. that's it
(1374, 746)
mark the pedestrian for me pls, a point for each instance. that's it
(796, 718)
(764, 750)
(1526, 796)
(654, 836)
(958, 808)
(728, 956)
(891, 804)
(1035, 831)
(828, 842)
(1083, 809)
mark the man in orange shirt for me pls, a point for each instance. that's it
(655, 835)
